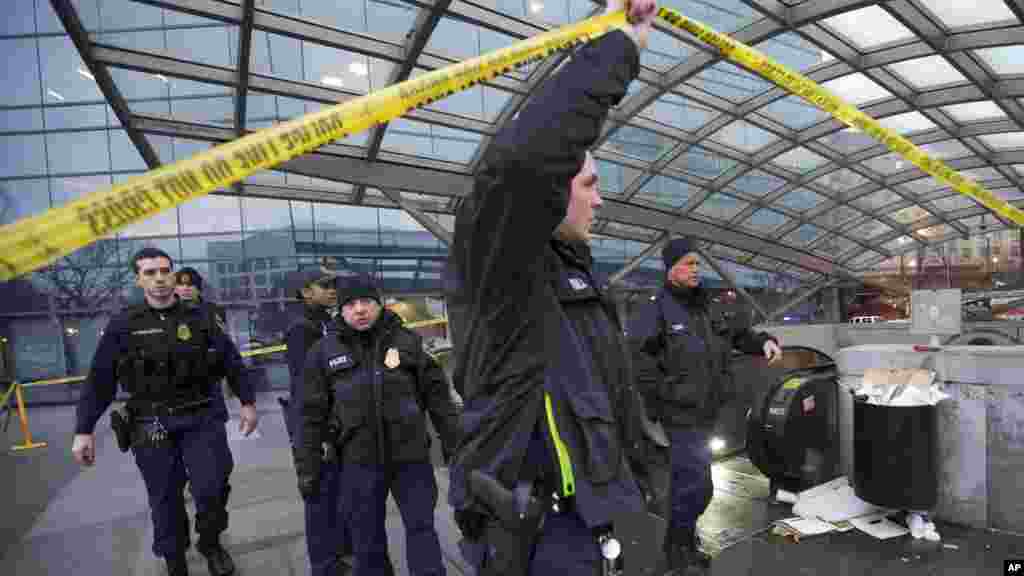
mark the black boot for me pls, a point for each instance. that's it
(682, 555)
(701, 559)
(218, 561)
(176, 565)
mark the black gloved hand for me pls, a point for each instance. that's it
(309, 486)
(470, 522)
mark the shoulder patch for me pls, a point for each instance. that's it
(340, 361)
(577, 283)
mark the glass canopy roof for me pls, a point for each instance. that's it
(698, 146)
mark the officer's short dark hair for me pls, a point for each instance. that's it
(195, 279)
(149, 252)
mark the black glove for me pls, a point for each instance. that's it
(309, 486)
(471, 523)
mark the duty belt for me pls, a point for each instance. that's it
(157, 409)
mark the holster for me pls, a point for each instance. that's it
(512, 529)
(123, 427)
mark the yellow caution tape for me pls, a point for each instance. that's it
(34, 242)
(811, 91)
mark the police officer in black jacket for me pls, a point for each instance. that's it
(328, 540)
(371, 384)
(542, 364)
(683, 356)
(169, 355)
(189, 286)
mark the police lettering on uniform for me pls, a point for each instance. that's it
(168, 356)
(367, 389)
(682, 355)
(543, 472)
(328, 540)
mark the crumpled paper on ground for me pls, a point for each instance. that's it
(900, 387)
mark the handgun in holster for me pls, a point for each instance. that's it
(123, 426)
(517, 516)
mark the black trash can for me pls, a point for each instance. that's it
(895, 455)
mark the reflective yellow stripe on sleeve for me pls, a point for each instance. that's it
(564, 461)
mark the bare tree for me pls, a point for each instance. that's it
(91, 277)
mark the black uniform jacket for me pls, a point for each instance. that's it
(540, 355)
(300, 337)
(683, 355)
(166, 343)
(373, 389)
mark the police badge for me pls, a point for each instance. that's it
(391, 359)
(184, 334)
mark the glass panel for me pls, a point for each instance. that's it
(800, 200)
(906, 123)
(37, 348)
(909, 214)
(841, 180)
(972, 111)
(833, 246)
(757, 183)
(62, 81)
(803, 235)
(730, 82)
(19, 18)
(212, 247)
(214, 44)
(922, 185)
(721, 206)
(1004, 60)
(890, 163)
(638, 143)
(76, 117)
(612, 177)
(1009, 193)
(265, 214)
(958, 14)
(420, 139)
(744, 136)
(212, 213)
(857, 89)
(679, 112)
(64, 190)
(25, 120)
(982, 174)
(792, 50)
(800, 160)
(927, 72)
(276, 55)
(877, 200)
(861, 260)
(20, 73)
(629, 230)
(869, 27)
(946, 149)
(341, 69)
(72, 152)
(22, 155)
(215, 111)
(848, 141)
(898, 244)
(664, 191)
(794, 112)
(700, 162)
(868, 229)
(494, 102)
(765, 220)
(954, 202)
(1003, 141)
(22, 198)
(139, 85)
(722, 15)
(663, 51)
(124, 155)
(836, 216)
(163, 224)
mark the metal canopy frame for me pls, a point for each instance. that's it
(840, 247)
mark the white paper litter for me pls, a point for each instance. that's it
(879, 526)
(906, 387)
(833, 501)
(806, 526)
